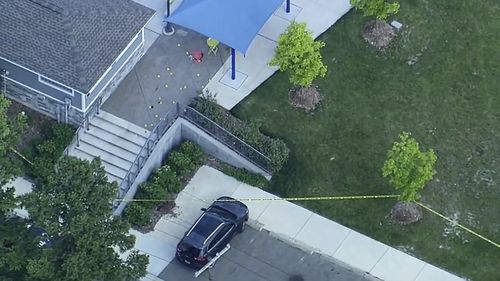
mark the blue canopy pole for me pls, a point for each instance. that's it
(288, 6)
(233, 64)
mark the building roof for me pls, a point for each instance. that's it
(70, 41)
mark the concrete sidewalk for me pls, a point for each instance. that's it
(252, 68)
(287, 221)
(21, 187)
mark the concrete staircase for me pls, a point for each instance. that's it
(116, 141)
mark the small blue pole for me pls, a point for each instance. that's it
(233, 64)
(288, 6)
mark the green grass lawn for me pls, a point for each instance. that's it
(449, 100)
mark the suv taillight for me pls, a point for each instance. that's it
(200, 258)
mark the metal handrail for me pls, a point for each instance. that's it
(145, 150)
(267, 167)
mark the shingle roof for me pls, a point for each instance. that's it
(70, 41)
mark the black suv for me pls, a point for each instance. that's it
(212, 231)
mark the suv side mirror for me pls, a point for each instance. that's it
(204, 209)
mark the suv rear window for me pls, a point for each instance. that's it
(189, 250)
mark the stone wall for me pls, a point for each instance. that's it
(43, 104)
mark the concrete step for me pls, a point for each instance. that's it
(112, 178)
(107, 157)
(114, 149)
(124, 123)
(113, 173)
(117, 130)
(122, 141)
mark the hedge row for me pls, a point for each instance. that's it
(245, 176)
(164, 182)
(275, 149)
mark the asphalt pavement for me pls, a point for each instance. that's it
(258, 256)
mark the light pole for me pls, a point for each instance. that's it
(168, 29)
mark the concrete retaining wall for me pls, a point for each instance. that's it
(217, 149)
(182, 130)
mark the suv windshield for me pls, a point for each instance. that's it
(223, 213)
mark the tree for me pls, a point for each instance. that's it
(380, 9)
(10, 132)
(298, 53)
(7, 201)
(15, 244)
(408, 168)
(73, 204)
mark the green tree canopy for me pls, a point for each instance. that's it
(298, 53)
(74, 205)
(10, 132)
(408, 168)
(380, 9)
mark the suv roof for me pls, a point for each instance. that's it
(202, 229)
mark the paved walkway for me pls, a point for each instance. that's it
(286, 221)
(165, 75)
(252, 68)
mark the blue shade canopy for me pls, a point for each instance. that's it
(233, 22)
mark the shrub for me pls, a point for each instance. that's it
(138, 214)
(207, 104)
(167, 179)
(245, 176)
(193, 151)
(180, 163)
(185, 159)
(275, 149)
(151, 191)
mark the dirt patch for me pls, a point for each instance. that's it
(306, 98)
(406, 213)
(378, 34)
(157, 214)
(35, 125)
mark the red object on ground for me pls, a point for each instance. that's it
(197, 56)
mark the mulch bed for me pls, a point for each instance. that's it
(406, 213)
(306, 98)
(168, 207)
(379, 34)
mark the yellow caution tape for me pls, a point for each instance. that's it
(459, 225)
(355, 197)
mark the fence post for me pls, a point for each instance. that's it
(87, 123)
(98, 108)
